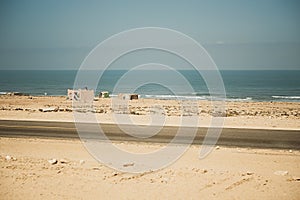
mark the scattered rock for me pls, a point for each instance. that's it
(281, 173)
(294, 179)
(196, 170)
(217, 147)
(8, 158)
(266, 182)
(52, 161)
(114, 174)
(128, 165)
(164, 180)
(291, 151)
(249, 173)
(63, 161)
(204, 171)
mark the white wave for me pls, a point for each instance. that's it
(175, 97)
(182, 97)
(286, 97)
(239, 99)
(196, 97)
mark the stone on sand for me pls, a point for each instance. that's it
(281, 173)
(8, 157)
(249, 173)
(63, 161)
(52, 161)
(128, 164)
(81, 162)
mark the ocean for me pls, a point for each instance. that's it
(254, 85)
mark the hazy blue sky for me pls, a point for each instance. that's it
(241, 34)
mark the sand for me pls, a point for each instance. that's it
(270, 115)
(227, 173)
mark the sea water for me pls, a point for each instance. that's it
(243, 85)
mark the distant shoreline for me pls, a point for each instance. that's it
(288, 99)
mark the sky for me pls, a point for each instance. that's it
(238, 34)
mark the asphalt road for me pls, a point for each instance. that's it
(259, 138)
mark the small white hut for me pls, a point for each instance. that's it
(83, 95)
(128, 96)
(104, 94)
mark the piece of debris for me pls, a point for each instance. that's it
(128, 165)
(291, 151)
(8, 157)
(217, 147)
(81, 162)
(52, 161)
(50, 109)
(281, 173)
(18, 94)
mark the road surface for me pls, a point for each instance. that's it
(259, 138)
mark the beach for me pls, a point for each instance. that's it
(150, 100)
(226, 173)
(250, 114)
